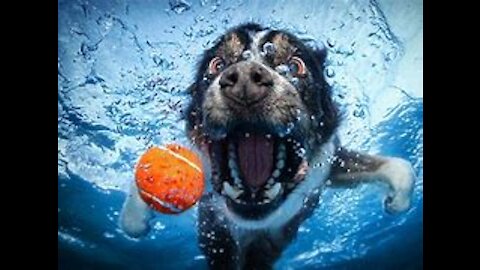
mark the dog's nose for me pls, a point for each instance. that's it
(246, 83)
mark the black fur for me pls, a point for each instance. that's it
(318, 98)
(264, 250)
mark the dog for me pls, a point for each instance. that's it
(262, 113)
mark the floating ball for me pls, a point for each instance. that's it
(170, 179)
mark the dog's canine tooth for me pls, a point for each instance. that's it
(231, 191)
(234, 171)
(274, 191)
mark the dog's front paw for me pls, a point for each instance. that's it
(135, 216)
(399, 174)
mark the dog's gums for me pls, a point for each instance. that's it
(256, 171)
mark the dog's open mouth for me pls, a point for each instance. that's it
(256, 171)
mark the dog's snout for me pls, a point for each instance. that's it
(246, 83)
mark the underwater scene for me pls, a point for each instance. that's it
(123, 72)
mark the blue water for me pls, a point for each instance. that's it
(123, 67)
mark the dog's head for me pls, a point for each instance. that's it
(261, 109)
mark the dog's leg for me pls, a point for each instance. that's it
(351, 168)
(215, 239)
(135, 214)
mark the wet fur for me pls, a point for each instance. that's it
(242, 244)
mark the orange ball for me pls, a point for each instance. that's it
(170, 179)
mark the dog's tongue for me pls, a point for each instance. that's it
(255, 155)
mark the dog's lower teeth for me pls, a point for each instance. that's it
(274, 191)
(280, 164)
(276, 173)
(231, 191)
(281, 154)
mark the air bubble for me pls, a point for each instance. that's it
(108, 235)
(295, 82)
(331, 42)
(247, 55)
(179, 6)
(330, 72)
(269, 48)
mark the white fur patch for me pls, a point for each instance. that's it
(256, 37)
(135, 214)
(399, 175)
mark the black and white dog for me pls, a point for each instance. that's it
(262, 113)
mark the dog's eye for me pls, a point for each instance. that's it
(216, 65)
(297, 66)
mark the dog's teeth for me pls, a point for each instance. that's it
(265, 201)
(238, 182)
(280, 164)
(274, 191)
(234, 171)
(232, 164)
(281, 151)
(276, 173)
(231, 191)
(271, 182)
